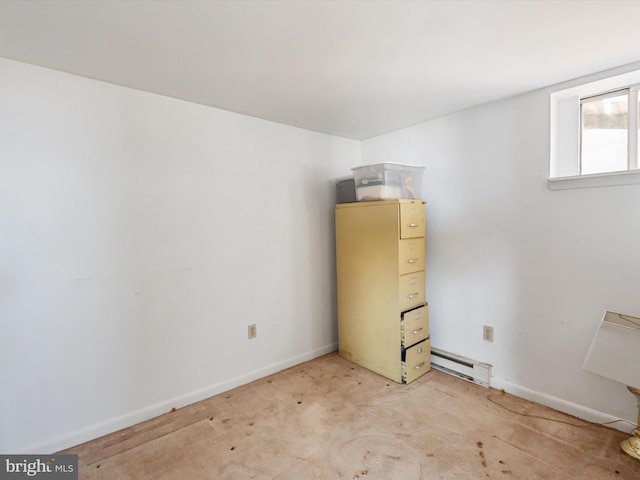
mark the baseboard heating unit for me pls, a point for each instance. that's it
(461, 367)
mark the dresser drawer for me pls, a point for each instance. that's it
(411, 290)
(414, 326)
(417, 361)
(411, 255)
(412, 219)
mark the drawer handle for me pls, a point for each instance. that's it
(412, 225)
(411, 295)
(417, 331)
(412, 260)
(418, 367)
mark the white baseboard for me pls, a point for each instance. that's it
(100, 429)
(564, 406)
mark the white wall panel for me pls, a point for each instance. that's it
(503, 250)
(140, 235)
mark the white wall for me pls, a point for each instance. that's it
(140, 235)
(503, 250)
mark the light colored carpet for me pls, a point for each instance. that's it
(330, 419)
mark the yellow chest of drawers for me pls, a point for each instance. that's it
(383, 321)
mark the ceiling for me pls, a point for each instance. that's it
(355, 69)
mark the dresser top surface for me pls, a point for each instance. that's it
(373, 203)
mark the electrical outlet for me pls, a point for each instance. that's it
(253, 333)
(487, 333)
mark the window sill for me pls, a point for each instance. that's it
(631, 177)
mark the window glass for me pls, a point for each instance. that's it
(633, 162)
(604, 133)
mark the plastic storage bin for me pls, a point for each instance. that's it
(384, 181)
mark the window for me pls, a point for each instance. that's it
(604, 133)
(594, 133)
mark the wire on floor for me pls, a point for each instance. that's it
(588, 425)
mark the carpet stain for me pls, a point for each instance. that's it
(378, 457)
(484, 460)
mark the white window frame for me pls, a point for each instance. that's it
(564, 166)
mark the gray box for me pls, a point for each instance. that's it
(346, 190)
